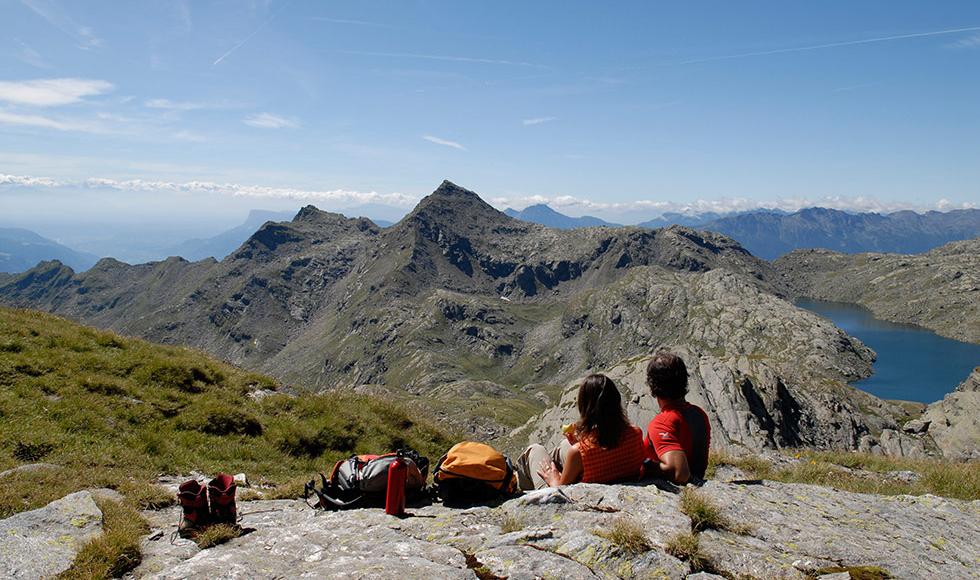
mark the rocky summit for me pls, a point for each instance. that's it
(769, 530)
(482, 319)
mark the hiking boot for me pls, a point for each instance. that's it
(194, 502)
(221, 492)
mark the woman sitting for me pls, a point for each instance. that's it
(602, 447)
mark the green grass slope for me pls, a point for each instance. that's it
(116, 412)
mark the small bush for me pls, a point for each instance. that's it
(703, 512)
(182, 377)
(117, 550)
(686, 546)
(301, 441)
(28, 451)
(11, 346)
(103, 386)
(217, 534)
(215, 418)
(147, 496)
(627, 534)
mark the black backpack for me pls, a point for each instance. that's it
(363, 480)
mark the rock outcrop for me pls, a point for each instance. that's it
(954, 422)
(42, 543)
(938, 290)
(789, 531)
(751, 405)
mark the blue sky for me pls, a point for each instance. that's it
(625, 110)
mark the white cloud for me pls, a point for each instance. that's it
(972, 41)
(270, 121)
(32, 57)
(443, 142)
(60, 19)
(51, 92)
(174, 105)
(190, 136)
(538, 121)
(339, 196)
(576, 205)
(8, 118)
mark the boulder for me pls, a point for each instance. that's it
(42, 543)
(954, 422)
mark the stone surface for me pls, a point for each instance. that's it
(42, 543)
(954, 422)
(794, 530)
(28, 468)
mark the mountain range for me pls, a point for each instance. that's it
(482, 319)
(22, 249)
(769, 233)
(544, 215)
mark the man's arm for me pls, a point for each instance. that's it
(673, 466)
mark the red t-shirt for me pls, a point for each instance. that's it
(680, 426)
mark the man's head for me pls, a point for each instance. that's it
(667, 376)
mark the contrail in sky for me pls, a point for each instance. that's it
(249, 37)
(828, 45)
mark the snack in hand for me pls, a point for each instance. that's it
(568, 429)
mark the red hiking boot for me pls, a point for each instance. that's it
(194, 502)
(221, 492)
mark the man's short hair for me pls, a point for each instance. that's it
(667, 376)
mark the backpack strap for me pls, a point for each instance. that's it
(325, 500)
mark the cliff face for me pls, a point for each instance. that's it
(481, 318)
(939, 290)
(954, 422)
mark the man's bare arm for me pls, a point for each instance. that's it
(673, 465)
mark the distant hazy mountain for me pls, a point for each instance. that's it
(544, 215)
(769, 235)
(680, 219)
(22, 250)
(228, 241)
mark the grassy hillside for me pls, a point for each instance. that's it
(116, 412)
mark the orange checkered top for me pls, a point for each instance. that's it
(619, 463)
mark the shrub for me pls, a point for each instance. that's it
(628, 534)
(217, 534)
(215, 418)
(147, 496)
(28, 451)
(686, 546)
(117, 550)
(103, 386)
(182, 377)
(301, 441)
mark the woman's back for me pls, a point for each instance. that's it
(622, 462)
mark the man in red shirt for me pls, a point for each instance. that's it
(678, 437)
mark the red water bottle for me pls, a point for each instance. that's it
(395, 496)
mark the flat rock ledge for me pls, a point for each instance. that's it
(793, 531)
(42, 543)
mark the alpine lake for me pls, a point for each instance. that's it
(913, 364)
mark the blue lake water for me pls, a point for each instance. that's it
(914, 364)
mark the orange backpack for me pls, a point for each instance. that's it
(472, 472)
